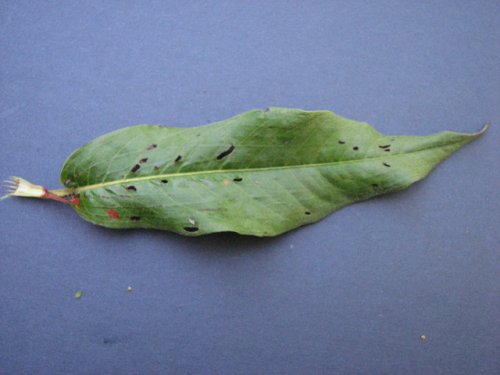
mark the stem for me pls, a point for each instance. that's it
(19, 187)
(61, 192)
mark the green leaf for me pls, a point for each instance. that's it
(260, 173)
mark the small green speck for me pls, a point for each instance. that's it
(78, 294)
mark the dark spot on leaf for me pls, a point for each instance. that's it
(341, 142)
(307, 213)
(178, 158)
(135, 218)
(385, 164)
(135, 168)
(387, 150)
(355, 148)
(384, 146)
(237, 179)
(131, 188)
(164, 181)
(374, 186)
(225, 153)
(152, 146)
(191, 229)
(156, 167)
(143, 160)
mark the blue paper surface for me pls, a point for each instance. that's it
(408, 283)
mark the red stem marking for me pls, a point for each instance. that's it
(48, 195)
(75, 201)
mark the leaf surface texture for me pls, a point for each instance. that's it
(260, 173)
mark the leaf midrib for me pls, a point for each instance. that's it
(82, 189)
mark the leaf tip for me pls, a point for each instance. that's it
(484, 128)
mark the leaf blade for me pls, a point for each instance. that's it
(259, 173)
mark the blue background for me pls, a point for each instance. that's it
(351, 294)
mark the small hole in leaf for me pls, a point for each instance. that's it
(341, 142)
(266, 109)
(164, 181)
(152, 146)
(225, 153)
(135, 218)
(384, 146)
(178, 158)
(355, 148)
(237, 179)
(67, 182)
(385, 164)
(131, 188)
(135, 168)
(286, 141)
(307, 213)
(191, 229)
(143, 160)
